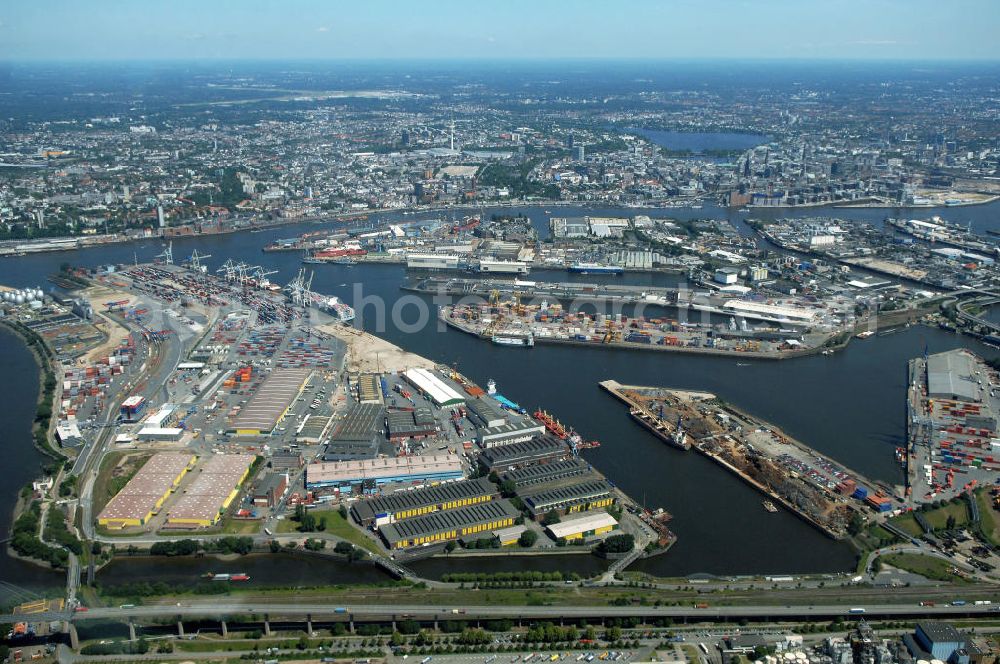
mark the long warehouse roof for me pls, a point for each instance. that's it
(427, 381)
(399, 501)
(415, 466)
(268, 405)
(438, 522)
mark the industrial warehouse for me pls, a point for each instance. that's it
(212, 491)
(369, 474)
(582, 526)
(449, 525)
(577, 497)
(358, 434)
(496, 426)
(146, 491)
(271, 401)
(392, 507)
(528, 476)
(543, 449)
(437, 390)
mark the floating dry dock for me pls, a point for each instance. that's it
(816, 488)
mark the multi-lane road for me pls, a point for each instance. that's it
(375, 612)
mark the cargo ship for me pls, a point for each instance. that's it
(239, 576)
(552, 425)
(527, 341)
(333, 305)
(595, 268)
(657, 427)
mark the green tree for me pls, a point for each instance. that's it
(551, 517)
(527, 538)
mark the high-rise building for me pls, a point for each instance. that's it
(580, 153)
(159, 216)
(405, 138)
(126, 194)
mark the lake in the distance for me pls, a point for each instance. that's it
(699, 142)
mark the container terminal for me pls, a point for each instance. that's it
(953, 400)
(814, 487)
(248, 399)
(513, 323)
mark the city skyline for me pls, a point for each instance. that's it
(719, 29)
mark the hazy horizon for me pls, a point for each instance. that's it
(838, 30)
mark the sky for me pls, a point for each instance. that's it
(498, 29)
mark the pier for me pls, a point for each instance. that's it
(785, 470)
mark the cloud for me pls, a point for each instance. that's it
(322, 28)
(491, 39)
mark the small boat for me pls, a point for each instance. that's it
(865, 334)
(769, 506)
(742, 364)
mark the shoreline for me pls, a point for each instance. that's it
(346, 217)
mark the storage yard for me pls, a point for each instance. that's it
(953, 401)
(811, 485)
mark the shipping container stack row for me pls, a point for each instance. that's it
(82, 383)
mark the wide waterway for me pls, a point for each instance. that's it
(849, 405)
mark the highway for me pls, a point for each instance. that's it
(374, 612)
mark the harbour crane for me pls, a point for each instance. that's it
(168, 254)
(194, 262)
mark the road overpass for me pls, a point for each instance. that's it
(420, 612)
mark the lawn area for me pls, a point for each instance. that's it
(335, 525)
(240, 526)
(926, 566)
(908, 523)
(990, 517)
(939, 518)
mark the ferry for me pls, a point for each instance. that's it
(595, 268)
(522, 342)
(769, 506)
